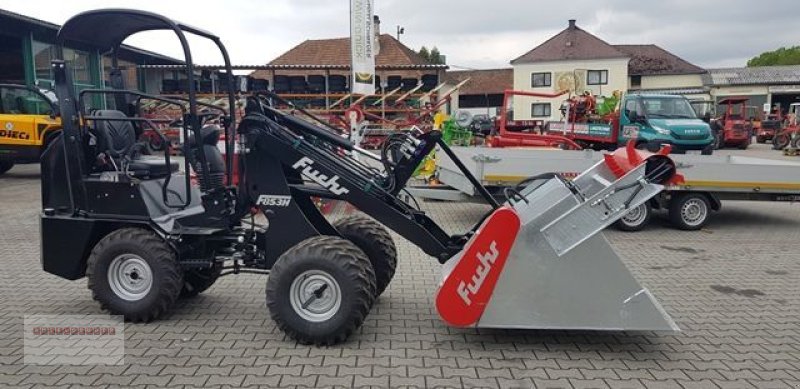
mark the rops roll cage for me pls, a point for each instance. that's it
(105, 30)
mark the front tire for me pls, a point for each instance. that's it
(636, 219)
(689, 211)
(321, 290)
(134, 273)
(5, 166)
(779, 142)
(372, 238)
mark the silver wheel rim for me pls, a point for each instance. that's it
(315, 296)
(693, 212)
(130, 277)
(635, 216)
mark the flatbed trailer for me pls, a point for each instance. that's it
(709, 180)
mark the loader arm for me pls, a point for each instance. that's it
(290, 158)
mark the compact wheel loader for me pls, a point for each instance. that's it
(144, 234)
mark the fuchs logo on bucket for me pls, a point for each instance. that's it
(312, 174)
(274, 200)
(465, 292)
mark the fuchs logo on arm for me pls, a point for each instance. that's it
(274, 200)
(312, 174)
(486, 260)
(466, 291)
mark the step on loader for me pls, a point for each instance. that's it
(144, 234)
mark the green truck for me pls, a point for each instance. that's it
(648, 119)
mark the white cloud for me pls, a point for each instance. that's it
(472, 33)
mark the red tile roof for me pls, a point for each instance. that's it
(489, 81)
(571, 44)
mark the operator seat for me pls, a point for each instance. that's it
(117, 139)
(208, 138)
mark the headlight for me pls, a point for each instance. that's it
(662, 131)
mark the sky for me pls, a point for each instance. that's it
(472, 34)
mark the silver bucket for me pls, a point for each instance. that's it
(542, 262)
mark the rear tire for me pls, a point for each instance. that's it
(134, 273)
(372, 238)
(760, 139)
(689, 211)
(5, 166)
(636, 219)
(196, 281)
(321, 290)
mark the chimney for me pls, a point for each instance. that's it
(376, 21)
(572, 24)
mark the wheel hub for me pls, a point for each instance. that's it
(315, 295)
(693, 212)
(130, 277)
(635, 216)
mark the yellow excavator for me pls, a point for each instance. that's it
(28, 122)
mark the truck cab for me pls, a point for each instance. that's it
(28, 123)
(654, 120)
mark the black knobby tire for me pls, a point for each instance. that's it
(689, 211)
(347, 274)
(635, 220)
(780, 142)
(150, 249)
(5, 166)
(372, 238)
(196, 281)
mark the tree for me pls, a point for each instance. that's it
(424, 53)
(436, 56)
(432, 56)
(782, 56)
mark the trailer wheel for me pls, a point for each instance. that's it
(689, 211)
(321, 290)
(134, 273)
(5, 166)
(196, 281)
(372, 238)
(636, 219)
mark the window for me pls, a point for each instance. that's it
(128, 70)
(631, 109)
(636, 81)
(43, 53)
(79, 60)
(541, 79)
(540, 110)
(20, 101)
(597, 77)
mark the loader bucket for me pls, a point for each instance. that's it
(542, 262)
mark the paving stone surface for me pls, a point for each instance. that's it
(733, 289)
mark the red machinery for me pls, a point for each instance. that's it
(513, 133)
(787, 134)
(733, 128)
(770, 126)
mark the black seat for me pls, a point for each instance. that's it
(207, 138)
(117, 139)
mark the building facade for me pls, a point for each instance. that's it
(27, 45)
(575, 61)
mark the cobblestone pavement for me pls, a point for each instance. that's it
(733, 288)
